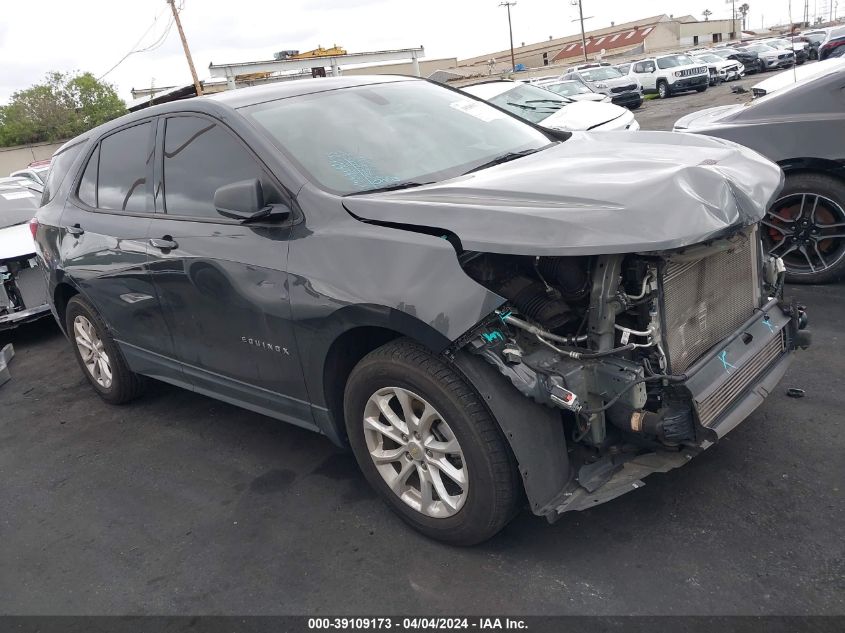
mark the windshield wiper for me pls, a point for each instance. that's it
(504, 158)
(394, 187)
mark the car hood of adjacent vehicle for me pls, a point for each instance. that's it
(707, 117)
(584, 115)
(596, 193)
(16, 241)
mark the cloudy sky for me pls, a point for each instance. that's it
(93, 35)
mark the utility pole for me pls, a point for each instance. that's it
(583, 35)
(197, 85)
(508, 5)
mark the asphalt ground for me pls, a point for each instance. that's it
(179, 504)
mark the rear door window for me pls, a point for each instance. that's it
(125, 166)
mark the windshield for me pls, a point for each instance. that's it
(623, 68)
(759, 48)
(599, 74)
(709, 57)
(530, 102)
(568, 88)
(671, 61)
(375, 136)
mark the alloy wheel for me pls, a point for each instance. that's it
(416, 452)
(92, 351)
(807, 231)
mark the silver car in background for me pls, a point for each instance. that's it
(623, 90)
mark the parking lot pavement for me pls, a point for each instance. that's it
(180, 504)
(661, 114)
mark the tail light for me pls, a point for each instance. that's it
(33, 227)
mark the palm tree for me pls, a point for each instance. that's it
(743, 11)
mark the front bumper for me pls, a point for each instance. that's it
(626, 99)
(690, 83)
(13, 320)
(726, 385)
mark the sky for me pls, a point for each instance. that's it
(93, 35)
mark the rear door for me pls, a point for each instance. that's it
(104, 242)
(223, 284)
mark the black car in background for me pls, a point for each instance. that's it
(459, 296)
(749, 59)
(801, 127)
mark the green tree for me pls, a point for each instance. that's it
(60, 107)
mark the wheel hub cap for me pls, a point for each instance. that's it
(807, 231)
(416, 452)
(92, 351)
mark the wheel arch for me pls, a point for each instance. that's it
(826, 166)
(62, 294)
(357, 331)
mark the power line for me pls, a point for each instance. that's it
(134, 50)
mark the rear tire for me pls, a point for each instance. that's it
(794, 228)
(406, 412)
(98, 355)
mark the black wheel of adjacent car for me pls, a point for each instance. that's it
(701, 89)
(635, 105)
(814, 54)
(98, 354)
(761, 66)
(806, 227)
(663, 89)
(426, 442)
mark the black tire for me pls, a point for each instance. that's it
(636, 104)
(665, 93)
(125, 384)
(761, 66)
(829, 209)
(494, 491)
(701, 89)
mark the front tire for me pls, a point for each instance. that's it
(806, 227)
(663, 90)
(98, 355)
(425, 441)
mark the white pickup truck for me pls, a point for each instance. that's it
(669, 74)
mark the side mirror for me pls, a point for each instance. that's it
(244, 201)
(240, 199)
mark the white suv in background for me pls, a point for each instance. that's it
(670, 74)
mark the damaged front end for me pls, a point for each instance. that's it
(23, 295)
(642, 359)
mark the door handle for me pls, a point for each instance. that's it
(165, 243)
(75, 229)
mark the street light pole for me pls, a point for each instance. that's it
(508, 5)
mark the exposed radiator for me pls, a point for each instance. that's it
(706, 300)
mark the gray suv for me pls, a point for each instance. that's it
(490, 315)
(623, 90)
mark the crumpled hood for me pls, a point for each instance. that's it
(596, 193)
(583, 115)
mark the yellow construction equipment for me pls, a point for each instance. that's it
(320, 52)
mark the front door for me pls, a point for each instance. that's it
(222, 284)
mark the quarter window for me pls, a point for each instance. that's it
(88, 184)
(199, 157)
(124, 165)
